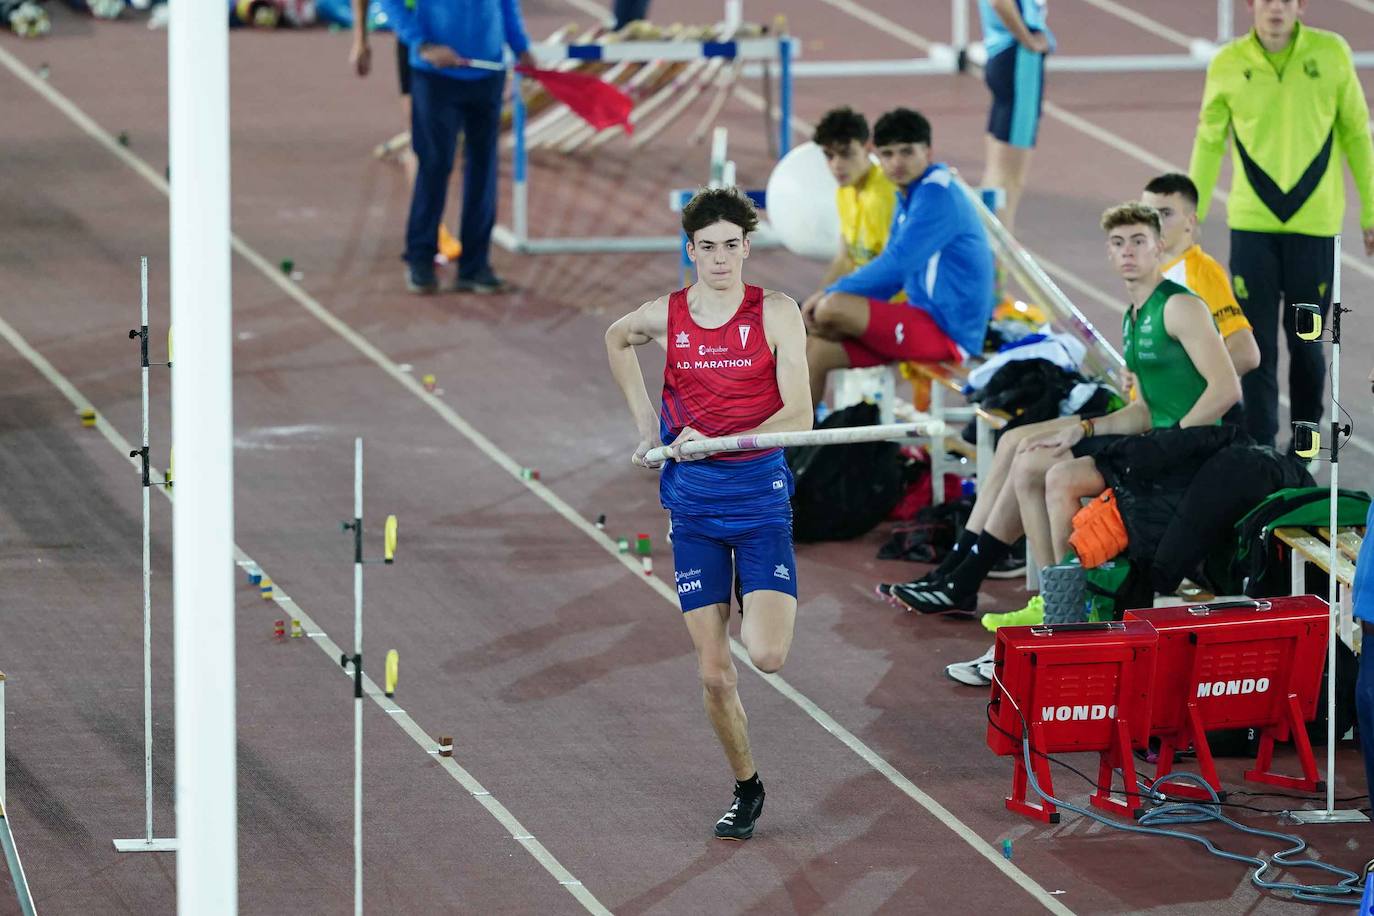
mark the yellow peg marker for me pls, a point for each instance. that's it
(389, 551)
(169, 346)
(167, 477)
(1307, 439)
(1309, 321)
(393, 665)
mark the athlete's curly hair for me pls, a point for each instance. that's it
(839, 126)
(1131, 213)
(712, 205)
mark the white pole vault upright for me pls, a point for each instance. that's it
(202, 427)
(1329, 814)
(146, 843)
(356, 661)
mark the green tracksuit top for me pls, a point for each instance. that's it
(1169, 382)
(1289, 131)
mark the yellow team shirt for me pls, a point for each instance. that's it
(1200, 272)
(866, 211)
(866, 215)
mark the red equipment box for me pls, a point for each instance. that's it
(1079, 687)
(1238, 664)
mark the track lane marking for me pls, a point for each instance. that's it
(500, 458)
(316, 634)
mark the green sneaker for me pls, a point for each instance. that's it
(1033, 614)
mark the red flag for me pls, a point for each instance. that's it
(597, 102)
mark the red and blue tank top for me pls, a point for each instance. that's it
(719, 381)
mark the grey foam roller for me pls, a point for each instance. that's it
(1062, 587)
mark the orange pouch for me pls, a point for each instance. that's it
(1099, 534)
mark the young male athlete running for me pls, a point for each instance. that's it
(736, 364)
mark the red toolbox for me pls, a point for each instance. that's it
(1078, 687)
(1238, 664)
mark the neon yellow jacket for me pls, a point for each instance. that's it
(1289, 133)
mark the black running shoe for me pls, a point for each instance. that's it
(1013, 565)
(738, 822)
(936, 598)
(884, 589)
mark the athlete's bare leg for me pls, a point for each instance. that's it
(709, 627)
(1028, 472)
(822, 356)
(838, 316)
(769, 619)
(989, 490)
(1066, 485)
(1007, 166)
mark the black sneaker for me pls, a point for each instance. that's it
(884, 589)
(1013, 565)
(936, 598)
(484, 281)
(420, 279)
(738, 822)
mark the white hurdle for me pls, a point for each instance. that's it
(516, 237)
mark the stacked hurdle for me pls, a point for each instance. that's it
(782, 48)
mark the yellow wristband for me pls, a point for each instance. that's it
(1087, 428)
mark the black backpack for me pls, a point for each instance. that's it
(843, 491)
(1257, 563)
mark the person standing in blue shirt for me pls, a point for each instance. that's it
(937, 253)
(1016, 39)
(1362, 596)
(449, 97)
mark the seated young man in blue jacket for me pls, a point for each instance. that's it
(447, 97)
(937, 253)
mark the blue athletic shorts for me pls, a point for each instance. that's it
(708, 551)
(1016, 78)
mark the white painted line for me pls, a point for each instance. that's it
(501, 459)
(882, 23)
(1366, 5)
(1141, 21)
(329, 647)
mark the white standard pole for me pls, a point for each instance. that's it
(1226, 25)
(1333, 581)
(958, 35)
(147, 843)
(147, 569)
(202, 426)
(1329, 814)
(358, 677)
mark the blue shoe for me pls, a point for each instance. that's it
(420, 279)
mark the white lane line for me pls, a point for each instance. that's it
(332, 651)
(1141, 21)
(485, 445)
(1366, 5)
(881, 23)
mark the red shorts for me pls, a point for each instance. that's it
(900, 332)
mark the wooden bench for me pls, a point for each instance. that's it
(1315, 549)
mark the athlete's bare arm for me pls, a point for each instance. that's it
(1188, 320)
(786, 334)
(647, 323)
